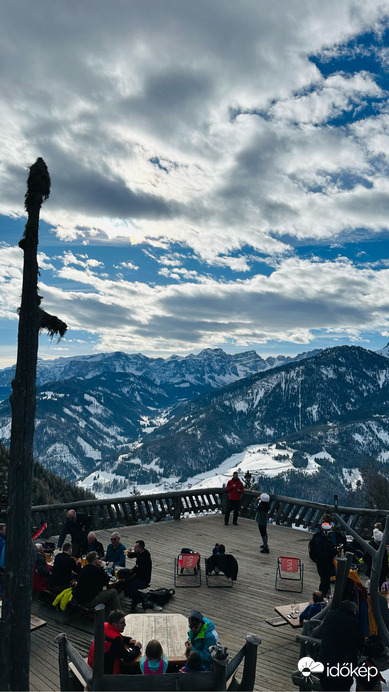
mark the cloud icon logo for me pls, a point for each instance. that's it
(307, 666)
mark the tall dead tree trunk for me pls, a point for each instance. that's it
(19, 557)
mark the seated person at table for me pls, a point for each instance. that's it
(115, 551)
(92, 544)
(115, 650)
(154, 661)
(193, 664)
(140, 573)
(219, 549)
(317, 604)
(201, 636)
(42, 571)
(89, 591)
(76, 525)
(65, 569)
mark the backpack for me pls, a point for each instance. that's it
(160, 596)
(312, 548)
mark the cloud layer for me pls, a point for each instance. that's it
(234, 133)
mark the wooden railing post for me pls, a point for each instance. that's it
(250, 663)
(98, 659)
(220, 667)
(177, 508)
(64, 679)
(224, 501)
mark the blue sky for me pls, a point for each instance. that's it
(219, 173)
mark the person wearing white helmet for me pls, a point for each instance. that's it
(262, 507)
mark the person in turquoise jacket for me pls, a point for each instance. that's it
(201, 636)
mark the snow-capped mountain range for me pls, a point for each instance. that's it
(211, 368)
(148, 418)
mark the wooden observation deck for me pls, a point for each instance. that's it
(236, 611)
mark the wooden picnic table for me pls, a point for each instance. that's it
(170, 629)
(285, 612)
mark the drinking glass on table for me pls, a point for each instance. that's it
(293, 607)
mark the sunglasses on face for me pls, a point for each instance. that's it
(194, 625)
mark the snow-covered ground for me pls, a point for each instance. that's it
(258, 459)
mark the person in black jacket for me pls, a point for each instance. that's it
(90, 584)
(77, 525)
(341, 643)
(322, 551)
(262, 507)
(65, 569)
(141, 573)
(92, 544)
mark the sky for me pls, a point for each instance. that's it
(219, 173)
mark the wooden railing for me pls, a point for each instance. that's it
(290, 511)
(136, 509)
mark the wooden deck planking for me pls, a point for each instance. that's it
(235, 612)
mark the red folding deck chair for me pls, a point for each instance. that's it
(290, 570)
(187, 570)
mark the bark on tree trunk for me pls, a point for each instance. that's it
(15, 626)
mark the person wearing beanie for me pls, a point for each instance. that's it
(375, 543)
(322, 551)
(377, 535)
(201, 636)
(262, 507)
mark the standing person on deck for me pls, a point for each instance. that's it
(322, 551)
(262, 507)
(77, 525)
(235, 490)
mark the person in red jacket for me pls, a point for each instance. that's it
(114, 645)
(235, 490)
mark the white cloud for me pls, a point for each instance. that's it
(299, 297)
(129, 265)
(137, 130)
(204, 126)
